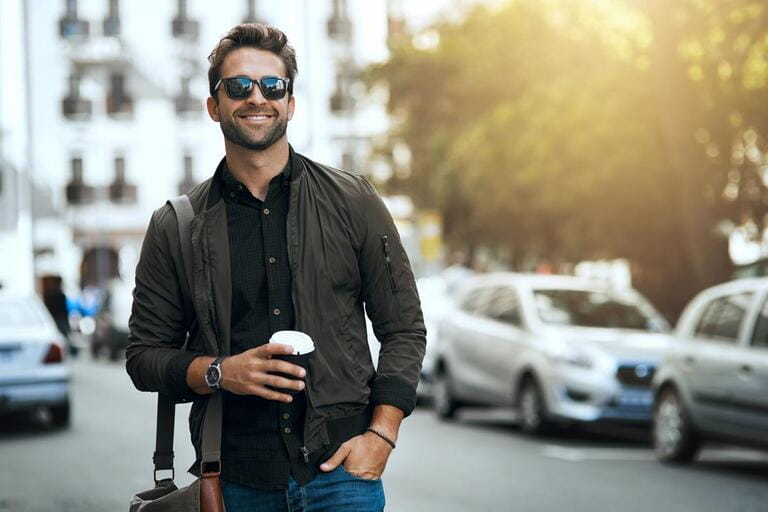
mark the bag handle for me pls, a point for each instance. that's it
(166, 408)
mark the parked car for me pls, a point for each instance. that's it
(33, 374)
(713, 382)
(556, 348)
(111, 329)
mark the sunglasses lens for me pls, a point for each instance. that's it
(273, 88)
(238, 88)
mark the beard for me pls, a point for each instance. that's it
(236, 134)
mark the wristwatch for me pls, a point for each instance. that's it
(213, 374)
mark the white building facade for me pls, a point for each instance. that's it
(118, 123)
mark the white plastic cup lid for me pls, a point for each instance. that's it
(301, 342)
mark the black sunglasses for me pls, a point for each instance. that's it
(241, 87)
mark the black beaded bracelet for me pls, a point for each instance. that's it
(388, 440)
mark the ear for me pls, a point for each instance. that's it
(213, 108)
(291, 106)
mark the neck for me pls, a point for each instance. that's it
(255, 169)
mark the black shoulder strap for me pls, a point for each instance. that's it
(166, 408)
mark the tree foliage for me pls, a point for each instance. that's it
(564, 130)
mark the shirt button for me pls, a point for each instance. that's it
(286, 416)
(231, 194)
(287, 430)
(266, 211)
(239, 187)
(276, 311)
(271, 259)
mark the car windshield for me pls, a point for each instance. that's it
(18, 314)
(586, 308)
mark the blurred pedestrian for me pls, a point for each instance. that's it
(281, 243)
(56, 303)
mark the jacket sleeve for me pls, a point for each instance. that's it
(155, 360)
(392, 304)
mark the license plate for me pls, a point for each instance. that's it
(636, 399)
(8, 354)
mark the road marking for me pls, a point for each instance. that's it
(608, 454)
(641, 455)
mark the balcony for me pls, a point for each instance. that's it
(111, 24)
(73, 106)
(339, 27)
(76, 108)
(73, 28)
(119, 102)
(70, 26)
(182, 26)
(341, 101)
(186, 104)
(78, 193)
(188, 182)
(120, 191)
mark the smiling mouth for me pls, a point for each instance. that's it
(256, 117)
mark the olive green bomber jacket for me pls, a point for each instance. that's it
(346, 259)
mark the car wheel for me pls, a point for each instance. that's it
(532, 409)
(442, 396)
(674, 438)
(60, 415)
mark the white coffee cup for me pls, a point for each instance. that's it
(301, 342)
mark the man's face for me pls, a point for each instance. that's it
(254, 123)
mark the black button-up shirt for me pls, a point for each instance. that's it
(261, 439)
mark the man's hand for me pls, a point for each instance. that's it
(364, 456)
(250, 372)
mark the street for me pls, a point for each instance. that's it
(479, 462)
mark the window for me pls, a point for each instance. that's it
(504, 306)
(760, 333)
(723, 316)
(476, 301)
(595, 308)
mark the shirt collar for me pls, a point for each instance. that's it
(233, 188)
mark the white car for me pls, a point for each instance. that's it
(33, 374)
(713, 382)
(557, 348)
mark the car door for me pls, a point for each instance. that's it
(502, 339)
(461, 339)
(748, 385)
(711, 359)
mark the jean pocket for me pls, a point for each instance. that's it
(354, 476)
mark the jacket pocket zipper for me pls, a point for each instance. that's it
(388, 260)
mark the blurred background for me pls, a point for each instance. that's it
(618, 143)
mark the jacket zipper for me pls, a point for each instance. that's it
(388, 260)
(291, 262)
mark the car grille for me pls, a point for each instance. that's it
(636, 375)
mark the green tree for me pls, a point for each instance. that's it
(574, 129)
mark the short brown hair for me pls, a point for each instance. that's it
(253, 35)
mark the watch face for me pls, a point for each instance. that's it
(212, 376)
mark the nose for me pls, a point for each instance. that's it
(256, 98)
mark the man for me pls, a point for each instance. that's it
(280, 242)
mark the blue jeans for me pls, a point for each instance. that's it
(337, 491)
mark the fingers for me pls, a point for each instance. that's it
(272, 349)
(270, 394)
(337, 458)
(278, 366)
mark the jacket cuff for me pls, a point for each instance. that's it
(177, 376)
(393, 391)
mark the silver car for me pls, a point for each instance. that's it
(557, 348)
(33, 374)
(713, 382)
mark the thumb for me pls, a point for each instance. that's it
(336, 459)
